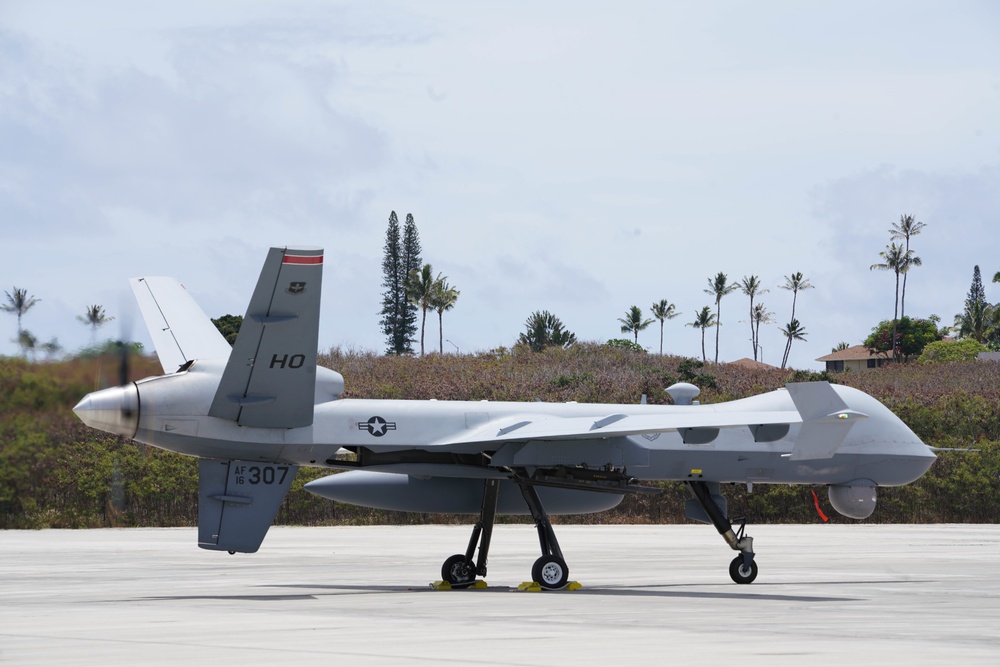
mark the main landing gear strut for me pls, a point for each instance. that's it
(461, 570)
(550, 571)
(743, 569)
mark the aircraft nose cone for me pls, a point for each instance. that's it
(113, 410)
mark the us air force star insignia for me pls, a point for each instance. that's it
(377, 426)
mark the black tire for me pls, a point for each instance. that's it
(740, 573)
(458, 571)
(550, 572)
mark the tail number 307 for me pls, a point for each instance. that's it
(261, 474)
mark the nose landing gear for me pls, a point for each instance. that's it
(743, 568)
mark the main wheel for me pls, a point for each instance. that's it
(550, 572)
(740, 573)
(458, 571)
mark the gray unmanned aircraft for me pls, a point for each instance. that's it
(255, 412)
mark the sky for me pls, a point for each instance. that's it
(561, 156)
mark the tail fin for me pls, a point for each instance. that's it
(237, 501)
(270, 380)
(180, 329)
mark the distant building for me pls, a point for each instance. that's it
(855, 358)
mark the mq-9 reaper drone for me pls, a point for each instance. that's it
(255, 412)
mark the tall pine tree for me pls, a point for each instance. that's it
(411, 263)
(393, 294)
(400, 256)
(974, 322)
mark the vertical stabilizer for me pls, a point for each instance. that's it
(179, 328)
(270, 380)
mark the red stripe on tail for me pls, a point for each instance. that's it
(302, 259)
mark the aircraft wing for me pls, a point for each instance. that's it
(535, 427)
(824, 416)
(180, 329)
(270, 380)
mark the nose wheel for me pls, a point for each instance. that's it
(742, 573)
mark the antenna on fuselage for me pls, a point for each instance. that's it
(683, 393)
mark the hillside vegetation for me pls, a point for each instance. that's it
(56, 472)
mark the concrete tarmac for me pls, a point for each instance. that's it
(866, 594)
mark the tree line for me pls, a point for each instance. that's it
(975, 329)
(900, 338)
(543, 328)
(18, 303)
(411, 289)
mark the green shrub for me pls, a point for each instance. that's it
(626, 345)
(949, 351)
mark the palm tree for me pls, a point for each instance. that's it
(719, 287)
(977, 322)
(894, 259)
(759, 316)
(795, 283)
(543, 329)
(51, 348)
(909, 259)
(904, 229)
(419, 291)
(664, 310)
(752, 286)
(703, 320)
(793, 331)
(28, 343)
(19, 302)
(442, 299)
(633, 322)
(94, 318)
